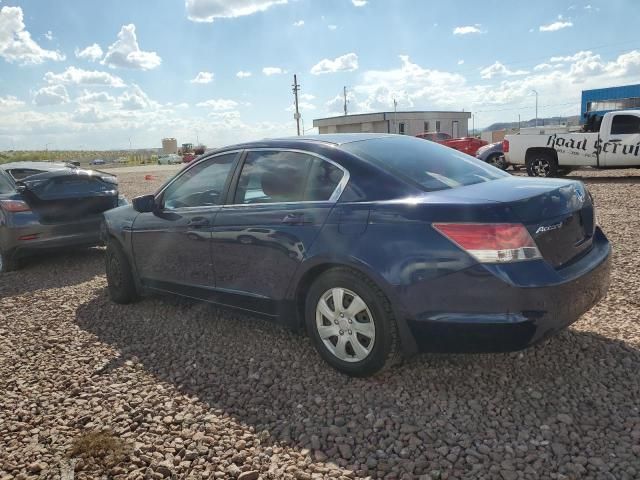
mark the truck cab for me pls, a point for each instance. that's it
(615, 145)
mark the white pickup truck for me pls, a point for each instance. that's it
(553, 153)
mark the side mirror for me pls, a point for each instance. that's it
(144, 203)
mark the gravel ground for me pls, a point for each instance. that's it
(168, 388)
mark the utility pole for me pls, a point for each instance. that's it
(534, 91)
(518, 122)
(344, 92)
(395, 116)
(296, 88)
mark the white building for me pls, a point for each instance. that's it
(455, 124)
(169, 145)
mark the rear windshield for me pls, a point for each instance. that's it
(427, 164)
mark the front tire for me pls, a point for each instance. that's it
(120, 281)
(541, 164)
(351, 323)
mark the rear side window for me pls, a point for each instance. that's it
(5, 185)
(284, 176)
(425, 164)
(273, 176)
(323, 180)
(625, 124)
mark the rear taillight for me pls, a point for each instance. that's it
(14, 206)
(505, 146)
(491, 242)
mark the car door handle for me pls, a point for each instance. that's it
(197, 222)
(615, 139)
(296, 219)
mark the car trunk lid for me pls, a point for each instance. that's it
(558, 213)
(69, 194)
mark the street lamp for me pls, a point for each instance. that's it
(534, 91)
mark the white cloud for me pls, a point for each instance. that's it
(555, 26)
(89, 114)
(203, 77)
(78, 76)
(359, 3)
(48, 35)
(543, 66)
(460, 62)
(301, 106)
(88, 97)
(10, 102)
(243, 74)
(135, 99)
(218, 104)
(125, 52)
(499, 70)
(306, 96)
(209, 10)
(92, 53)
(299, 23)
(268, 71)
(51, 95)
(467, 29)
(16, 44)
(332, 27)
(344, 63)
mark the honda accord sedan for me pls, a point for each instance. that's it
(48, 205)
(377, 245)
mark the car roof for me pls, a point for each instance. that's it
(329, 139)
(46, 166)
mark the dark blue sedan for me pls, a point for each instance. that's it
(376, 245)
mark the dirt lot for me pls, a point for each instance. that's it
(166, 388)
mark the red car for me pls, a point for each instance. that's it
(468, 145)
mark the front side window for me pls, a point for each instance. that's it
(425, 164)
(201, 185)
(284, 176)
(625, 125)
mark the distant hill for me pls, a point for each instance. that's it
(573, 120)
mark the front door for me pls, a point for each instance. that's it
(172, 246)
(455, 129)
(281, 202)
(621, 148)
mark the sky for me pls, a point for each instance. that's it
(79, 74)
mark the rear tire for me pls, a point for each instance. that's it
(8, 262)
(497, 161)
(368, 332)
(122, 286)
(541, 164)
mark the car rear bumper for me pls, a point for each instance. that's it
(32, 237)
(496, 309)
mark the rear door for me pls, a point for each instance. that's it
(281, 200)
(171, 246)
(621, 147)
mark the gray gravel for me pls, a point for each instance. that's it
(190, 391)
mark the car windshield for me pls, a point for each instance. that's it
(429, 165)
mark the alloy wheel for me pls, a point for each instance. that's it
(541, 167)
(345, 325)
